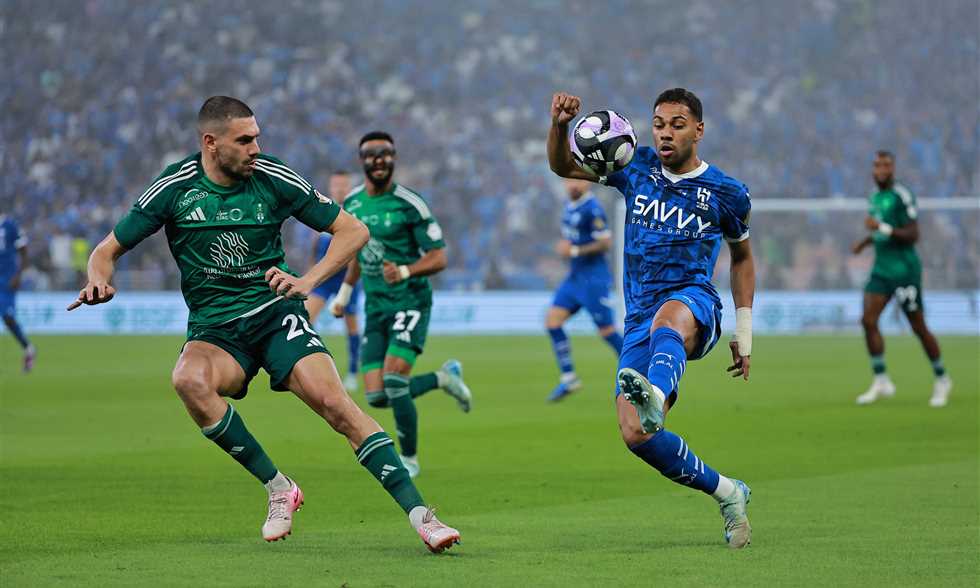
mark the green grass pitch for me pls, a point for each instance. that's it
(104, 480)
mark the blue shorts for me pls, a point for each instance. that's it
(328, 290)
(706, 308)
(591, 293)
(8, 299)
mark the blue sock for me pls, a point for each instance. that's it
(669, 455)
(563, 350)
(615, 341)
(353, 352)
(16, 331)
(878, 364)
(667, 359)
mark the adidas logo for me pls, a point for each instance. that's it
(236, 449)
(314, 342)
(404, 336)
(385, 470)
(197, 215)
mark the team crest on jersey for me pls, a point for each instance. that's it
(260, 212)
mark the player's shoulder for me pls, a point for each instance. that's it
(413, 200)
(274, 170)
(175, 176)
(903, 191)
(723, 183)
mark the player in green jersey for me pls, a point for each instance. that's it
(406, 246)
(897, 271)
(222, 209)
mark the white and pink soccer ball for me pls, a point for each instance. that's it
(603, 141)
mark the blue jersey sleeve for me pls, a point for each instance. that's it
(735, 220)
(598, 225)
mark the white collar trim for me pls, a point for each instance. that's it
(674, 178)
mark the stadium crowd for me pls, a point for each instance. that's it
(101, 94)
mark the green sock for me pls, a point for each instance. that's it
(937, 367)
(377, 399)
(377, 454)
(231, 435)
(419, 385)
(406, 418)
(878, 364)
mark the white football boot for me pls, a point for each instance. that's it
(881, 387)
(282, 505)
(437, 536)
(940, 391)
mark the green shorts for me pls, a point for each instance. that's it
(907, 289)
(394, 332)
(274, 339)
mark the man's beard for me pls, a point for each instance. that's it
(231, 172)
(382, 181)
(885, 184)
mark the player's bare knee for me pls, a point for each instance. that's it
(869, 322)
(633, 434)
(192, 384)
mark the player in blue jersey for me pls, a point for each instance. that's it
(679, 211)
(13, 258)
(585, 240)
(339, 185)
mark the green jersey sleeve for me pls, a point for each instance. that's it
(907, 211)
(153, 209)
(305, 202)
(428, 233)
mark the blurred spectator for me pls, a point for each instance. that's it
(99, 95)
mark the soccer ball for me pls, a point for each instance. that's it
(603, 141)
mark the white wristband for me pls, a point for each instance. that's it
(404, 272)
(574, 250)
(343, 295)
(885, 229)
(743, 330)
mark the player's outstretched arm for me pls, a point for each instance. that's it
(433, 262)
(743, 291)
(564, 108)
(101, 266)
(349, 235)
(343, 295)
(908, 233)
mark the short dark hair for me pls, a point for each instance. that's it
(885, 153)
(376, 136)
(220, 109)
(681, 96)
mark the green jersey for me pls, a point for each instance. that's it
(402, 229)
(895, 206)
(225, 239)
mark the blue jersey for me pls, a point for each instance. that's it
(333, 282)
(11, 239)
(584, 222)
(674, 227)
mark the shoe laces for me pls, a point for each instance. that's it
(277, 505)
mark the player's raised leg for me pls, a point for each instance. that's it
(206, 372)
(644, 400)
(943, 385)
(881, 384)
(554, 323)
(314, 379)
